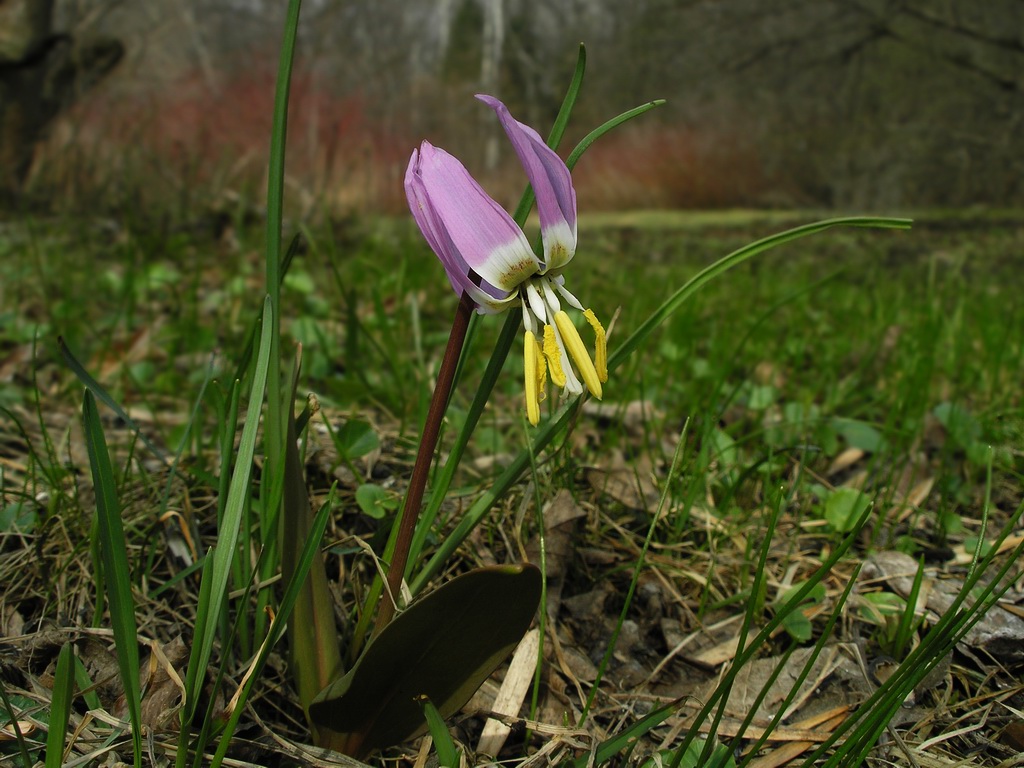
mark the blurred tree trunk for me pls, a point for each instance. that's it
(490, 65)
(41, 74)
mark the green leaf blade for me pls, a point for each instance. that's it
(117, 574)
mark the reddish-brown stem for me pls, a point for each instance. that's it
(424, 456)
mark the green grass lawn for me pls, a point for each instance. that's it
(851, 369)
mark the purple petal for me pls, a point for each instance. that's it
(483, 251)
(551, 182)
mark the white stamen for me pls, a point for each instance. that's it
(527, 316)
(569, 298)
(536, 302)
(550, 298)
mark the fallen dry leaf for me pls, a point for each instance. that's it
(629, 483)
(999, 632)
(560, 516)
(844, 460)
(511, 694)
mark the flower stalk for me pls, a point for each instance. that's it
(428, 443)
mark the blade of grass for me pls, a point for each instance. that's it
(85, 685)
(447, 754)
(274, 428)
(217, 571)
(19, 737)
(314, 651)
(747, 652)
(726, 263)
(627, 737)
(873, 715)
(609, 125)
(117, 574)
(641, 561)
(783, 707)
(245, 358)
(104, 397)
(60, 706)
(310, 551)
(907, 625)
(754, 606)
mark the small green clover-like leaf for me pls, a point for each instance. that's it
(962, 427)
(796, 623)
(816, 595)
(374, 501)
(844, 508)
(356, 438)
(761, 396)
(443, 647)
(859, 434)
(873, 607)
(18, 514)
(798, 626)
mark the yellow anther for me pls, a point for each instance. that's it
(533, 374)
(600, 345)
(578, 353)
(554, 356)
(542, 369)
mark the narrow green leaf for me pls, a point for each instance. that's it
(314, 651)
(733, 259)
(907, 625)
(19, 737)
(245, 358)
(104, 397)
(85, 684)
(443, 646)
(274, 426)
(606, 750)
(604, 128)
(215, 575)
(117, 575)
(60, 706)
(447, 754)
(310, 552)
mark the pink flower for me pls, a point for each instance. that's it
(487, 256)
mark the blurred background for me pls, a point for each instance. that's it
(851, 104)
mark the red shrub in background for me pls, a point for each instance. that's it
(664, 166)
(200, 141)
